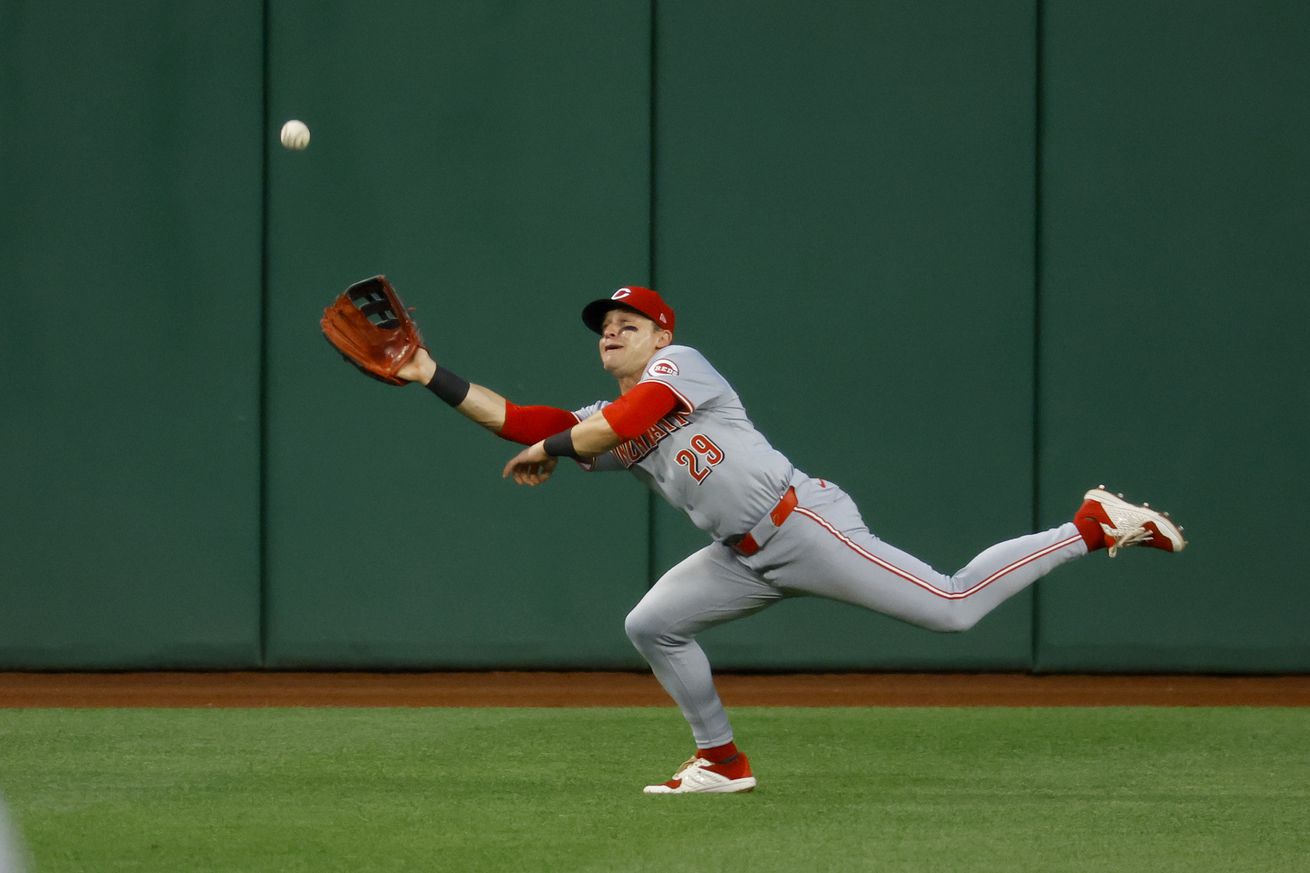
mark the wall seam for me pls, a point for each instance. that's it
(262, 511)
(1038, 95)
(651, 505)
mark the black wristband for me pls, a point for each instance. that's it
(561, 445)
(448, 386)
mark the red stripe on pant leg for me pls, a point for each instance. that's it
(1055, 547)
(908, 577)
(927, 586)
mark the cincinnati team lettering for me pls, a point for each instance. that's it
(635, 449)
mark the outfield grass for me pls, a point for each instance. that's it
(559, 789)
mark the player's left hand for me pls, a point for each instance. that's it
(532, 466)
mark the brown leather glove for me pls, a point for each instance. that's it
(371, 328)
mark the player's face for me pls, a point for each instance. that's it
(628, 341)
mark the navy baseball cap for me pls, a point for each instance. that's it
(634, 297)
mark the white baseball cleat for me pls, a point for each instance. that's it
(1128, 524)
(700, 776)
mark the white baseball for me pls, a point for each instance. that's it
(295, 135)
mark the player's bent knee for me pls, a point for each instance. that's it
(641, 628)
(649, 629)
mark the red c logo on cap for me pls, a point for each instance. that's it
(621, 293)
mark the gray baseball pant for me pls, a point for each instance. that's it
(823, 549)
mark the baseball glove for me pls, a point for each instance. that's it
(371, 328)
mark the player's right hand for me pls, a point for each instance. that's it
(532, 466)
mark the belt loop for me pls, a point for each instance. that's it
(748, 544)
(784, 507)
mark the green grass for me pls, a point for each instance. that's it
(559, 789)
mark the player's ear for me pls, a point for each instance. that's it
(663, 338)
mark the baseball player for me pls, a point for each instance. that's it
(777, 532)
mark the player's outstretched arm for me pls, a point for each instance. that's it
(518, 424)
(480, 404)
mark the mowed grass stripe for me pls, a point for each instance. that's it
(559, 789)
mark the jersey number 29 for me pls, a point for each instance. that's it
(701, 459)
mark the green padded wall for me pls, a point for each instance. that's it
(965, 259)
(844, 209)
(129, 343)
(1175, 252)
(491, 159)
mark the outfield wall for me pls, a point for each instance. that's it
(965, 259)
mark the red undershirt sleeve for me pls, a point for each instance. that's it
(529, 424)
(637, 411)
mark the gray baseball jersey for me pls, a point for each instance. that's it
(706, 457)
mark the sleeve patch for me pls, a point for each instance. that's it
(663, 367)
